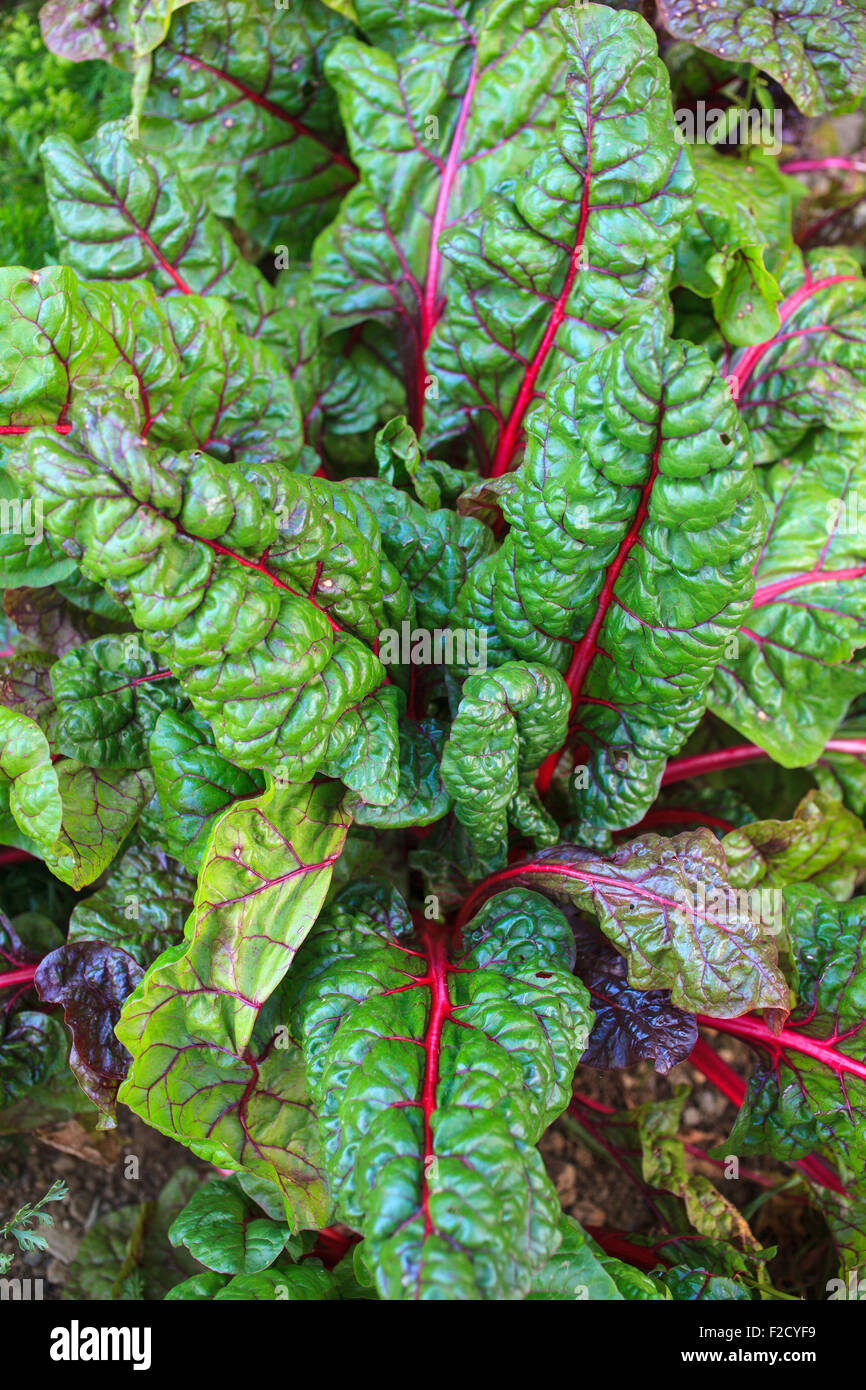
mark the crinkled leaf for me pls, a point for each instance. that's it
(808, 1089)
(788, 679)
(554, 263)
(429, 1122)
(142, 906)
(631, 1025)
(238, 97)
(260, 658)
(738, 228)
(194, 782)
(212, 1064)
(816, 49)
(508, 720)
(813, 371)
(110, 694)
(824, 844)
(121, 212)
(421, 795)
(224, 1230)
(634, 525)
(431, 135)
(669, 907)
(36, 1085)
(25, 766)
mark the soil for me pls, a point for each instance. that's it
(97, 1170)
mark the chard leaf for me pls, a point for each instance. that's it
(634, 525)
(421, 795)
(184, 535)
(554, 262)
(507, 722)
(669, 907)
(121, 212)
(117, 32)
(433, 552)
(579, 1270)
(823, 844)
(813, 371)
(36, 1085)
(212, 1062)
(631, 1025)
(226, 1232)
(91, 979)
(788, 680)
(109, 694)
(816, 49)
(74, 817)
(196, 380)
(441, 138)
(428, 1123)
(741, 218)
(194, 782)
(808, 1088)
(141, 907)
(238, 97)
(100, 806)
(25, 766)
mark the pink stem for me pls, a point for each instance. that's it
(18, 977)
(817, 166)
(752, 356)
(699, 764)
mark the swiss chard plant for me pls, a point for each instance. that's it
(433, 491)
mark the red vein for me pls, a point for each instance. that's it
(823, 1050)
(271, 106)
(587, 648)
(25, 429)
(440, 1010)
(430, 308)
(752, 356)
(18, 977)
(507, 446)
(768, 592)
(725, 1079)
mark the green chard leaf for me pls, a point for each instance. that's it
(556, 261)
(226, 1232)
(181, 537)
(213, 1065)
(507, 722)
(816, 49)
(194, 782)
(110, 694)
(669, 906)
(142, 907)
(789, 678)
(813, 370)
(634, 524)
(442, 1071)
(824, 844)
(120, 212)
(808, 1088)
(239, 99)
(738, 231)
(431, 135)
